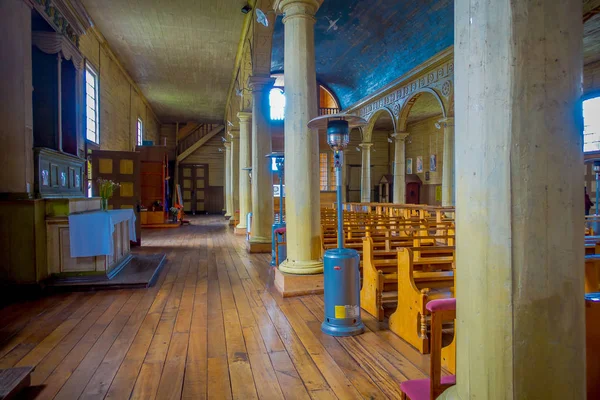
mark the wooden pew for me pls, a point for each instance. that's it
(380, 273)
(592, 267)
(416, 287)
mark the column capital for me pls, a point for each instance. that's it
(366, 146)
(400, 136)
(227, 145)
(244, 116)
(260, 83)
(445, 122)
(297, 8)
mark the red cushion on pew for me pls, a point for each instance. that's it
(279, 231)
(441, 305)
(418, 389)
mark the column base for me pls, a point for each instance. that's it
(302, 267)
(240, 231)
(450, 394)
(290, 285)
(227, 216)
(258, 246)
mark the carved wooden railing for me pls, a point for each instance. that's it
(197, 134)
(328, 111)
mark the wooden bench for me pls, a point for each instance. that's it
(416, 287)
(13, 380)
(592, 268)
(381, 273)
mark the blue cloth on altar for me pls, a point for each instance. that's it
(91, 233)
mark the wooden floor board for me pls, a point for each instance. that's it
(213, 327)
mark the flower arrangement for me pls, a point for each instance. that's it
(106, 188)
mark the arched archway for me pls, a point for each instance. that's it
(424, 121)
(429, 101)
(376, 158)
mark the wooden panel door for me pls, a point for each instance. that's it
(412, 193)
(194, 187)
(122, 167)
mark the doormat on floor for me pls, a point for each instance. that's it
(141, 271)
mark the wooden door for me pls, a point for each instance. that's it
(122, 167)
(194, 187)
(412, 193)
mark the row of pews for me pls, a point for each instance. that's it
(407, 260)
(592, 254)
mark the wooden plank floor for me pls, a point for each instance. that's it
(212, 327)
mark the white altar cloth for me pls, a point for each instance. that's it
(91, 233)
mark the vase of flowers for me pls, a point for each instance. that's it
(106, 188)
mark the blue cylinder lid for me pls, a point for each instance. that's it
(341, 253)
(595, 297)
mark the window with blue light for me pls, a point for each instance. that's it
(591, 124)
(277, 104)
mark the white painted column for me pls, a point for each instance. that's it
(234, 135)
(16, 130)
(228, 200)
(520, 226)
(365, 173)
(302, 199)
(262, 177)
(244, 162)
(448, 179)
(400, 167)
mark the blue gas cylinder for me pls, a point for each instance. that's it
(342, 293)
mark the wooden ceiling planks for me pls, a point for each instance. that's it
(180, 52)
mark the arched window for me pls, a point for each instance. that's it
(326, 100)
(591, 124)
(277, 103)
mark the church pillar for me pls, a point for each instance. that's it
(448, 178)
(234, 134)
(228, 202)
(262, 178)
(519, 160)
(244, 162)
(302, 201)
(399, 196)
(16, 110)
(365, 173)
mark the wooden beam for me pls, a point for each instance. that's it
(199, 143)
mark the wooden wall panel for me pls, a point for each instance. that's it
(168, 132)
(424, 140)
(209, 154)
(120, 102)
(380, 158)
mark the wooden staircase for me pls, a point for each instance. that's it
(192, 141)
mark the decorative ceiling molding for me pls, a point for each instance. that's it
(406, 84)
(63, 17)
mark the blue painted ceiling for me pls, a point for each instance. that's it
(376, 42)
